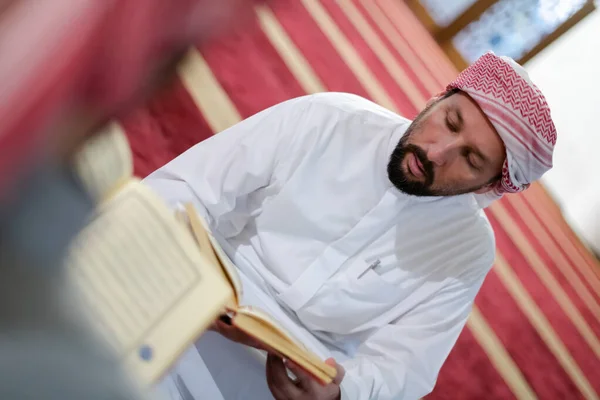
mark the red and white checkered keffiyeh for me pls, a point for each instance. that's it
(520, 114)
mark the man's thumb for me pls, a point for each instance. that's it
(340, 370)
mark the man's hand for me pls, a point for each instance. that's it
(304, 387)
(236, 335)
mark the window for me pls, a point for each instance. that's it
(513, 27)
(443, 12)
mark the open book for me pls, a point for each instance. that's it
(150, 283)
(251, 320)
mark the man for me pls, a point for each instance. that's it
(362, 228)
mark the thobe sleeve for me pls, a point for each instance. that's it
(219, 174)
(402, 360)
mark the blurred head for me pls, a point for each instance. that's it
(450, 148)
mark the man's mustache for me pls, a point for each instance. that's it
(422, 156)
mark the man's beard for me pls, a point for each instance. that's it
(400, 178)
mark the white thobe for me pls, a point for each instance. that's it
(298, 195)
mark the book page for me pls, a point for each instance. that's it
(104, 162)
(143, 281)
(192, 222)
(269, 321)
(205, 238)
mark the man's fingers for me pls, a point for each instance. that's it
(279, 383)
(276, 391)
(303, 378)
(224, 327)
(340, 370)
(231, 332)
(276, 371)
(218, 326)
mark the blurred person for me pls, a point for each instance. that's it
(67, 68)
(363, 229)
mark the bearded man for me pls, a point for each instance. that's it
(363, 232)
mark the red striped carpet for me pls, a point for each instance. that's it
(535, 330)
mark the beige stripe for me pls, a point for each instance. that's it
(349, 54)
(553, 286)
(565, 266)
(499, 357)
(207, 93)
(288, 51)
(572, 245)
(382, 52)
(543, 327)
(430, 51)
(402, 48)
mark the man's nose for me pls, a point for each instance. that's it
(443, 150)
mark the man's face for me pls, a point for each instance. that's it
(450, 148)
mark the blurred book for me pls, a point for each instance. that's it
(142, 279)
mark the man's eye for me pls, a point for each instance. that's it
(473, 164)
(451, 126)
